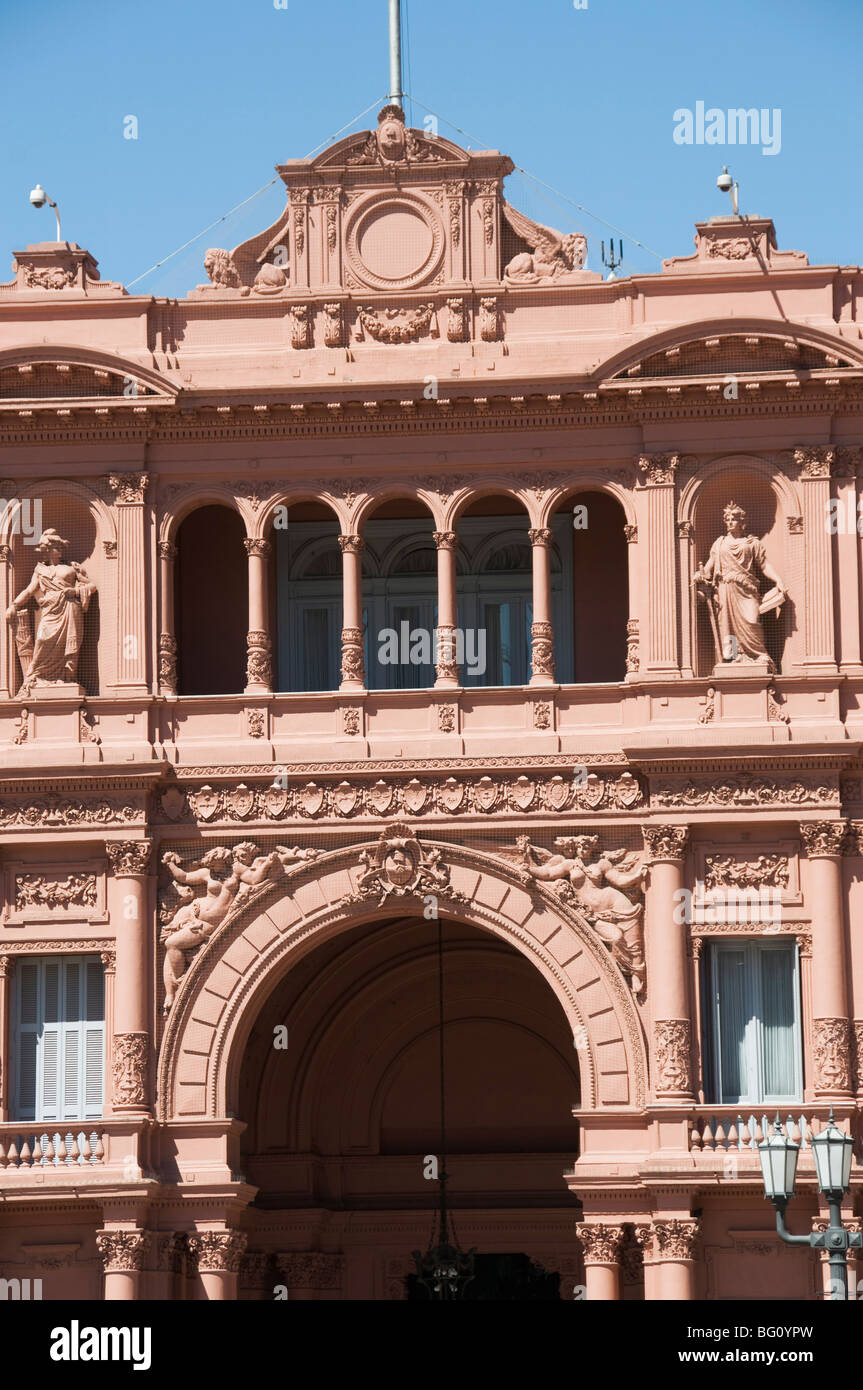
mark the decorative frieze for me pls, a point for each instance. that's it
(723, 871)
(45, 890)
(745, 789)
(397, 325)
(513, 793)
(311, 1269)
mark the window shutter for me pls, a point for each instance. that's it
(49, 1044)
(60, 1039)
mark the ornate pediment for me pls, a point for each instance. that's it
(392, 145)
(733, 244)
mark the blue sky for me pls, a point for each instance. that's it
(582, 99)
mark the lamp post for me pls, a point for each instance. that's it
(832, 1152)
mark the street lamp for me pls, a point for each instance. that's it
(832, 1151)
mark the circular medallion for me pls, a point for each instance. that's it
(394, 242)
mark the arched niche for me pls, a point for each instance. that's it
(593, 649)
(211, 604)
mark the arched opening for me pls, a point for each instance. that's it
(495, 591)
(211, 603)
(596, 541)
(751, 490)
(342, 1121)
(306, 574)
(399, 596)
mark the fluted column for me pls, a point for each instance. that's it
(667, 962)
(8, 674)
(675, 1247)
(259, 676)
(848, 558)
(130, 913)
(831, 1026)
(541, 632)
(167, 635)
(353, 659)
(446, 656)
(5, 1036)
(123, 1255)
(816, 466)
(219, 1255)
(601, 1245)
(129, 492)
(659, 633)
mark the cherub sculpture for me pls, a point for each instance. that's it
(596, 885)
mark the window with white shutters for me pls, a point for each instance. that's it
(58, 1038)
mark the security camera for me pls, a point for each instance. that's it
(38, 196)
(724, 183)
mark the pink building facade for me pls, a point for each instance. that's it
(379, 557)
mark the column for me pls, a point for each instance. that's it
(129, 491)
(675, 1257)
(667, 962)
(831, 1027)
(8, 674)
(659, 640)
(541, 632)
(258, 644)
(848, 559)
(130, 912)
(601, 1245)
(167, 638)
(219, 1255)
(123, 1255)
(816, 465)
(633, 660)
(353, 660)
(446, 655)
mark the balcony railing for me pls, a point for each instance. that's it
(737, 1131)
(22, 1146)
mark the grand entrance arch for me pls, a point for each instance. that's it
(280, 922)
(330, 1137)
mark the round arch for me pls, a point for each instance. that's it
(230, 979)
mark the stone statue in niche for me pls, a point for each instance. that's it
(728, 584)
(227, 876)
(62, 594)
(595, 883)
(555, 255)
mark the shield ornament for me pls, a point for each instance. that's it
(242, 801)
(485, 794)
(275, 800)
(345, 798)
(593, 792)
(451, 794)
(557, 793)
(310, 799)
(523, 793)
(626, 789)
(205, 803)
(380, 797)
(414, 796)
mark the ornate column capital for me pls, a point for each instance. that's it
(129, 489)
(123, 1251)
(218, 1251)
(676, 1239)
(815, 460)
(257, 546)
(167, 550)
(445, 540)
(631, 533)
(130, 1070)
(129, 858)
(352, 545)
(665, 843)
(824, 838)
(658, 470)
(540, 535)
(600, 1242)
